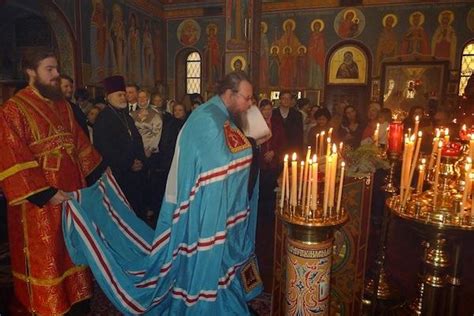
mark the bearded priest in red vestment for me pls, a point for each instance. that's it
(44, 153)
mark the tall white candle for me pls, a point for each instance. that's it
(300, 184)
(436, 180)
(333, 173)
(414, 163)
(306, 174)
(314, 186)
(421, 176)
(339, 193)
(294, 180)
(417, 124)
(321, 144)
(310, 184)
(283, 182)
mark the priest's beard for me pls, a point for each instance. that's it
(49, 91)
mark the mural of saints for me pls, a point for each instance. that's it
(117, 38)
(133, 50)
(443, 44)
(415, 39)
(316, 55)
(274, 67)
(98, 42)
(387, 45)
(213, 57)
(264, 60)
(148, 56)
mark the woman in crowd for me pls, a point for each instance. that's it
(350, 131)
(270, 157)
(322, 117)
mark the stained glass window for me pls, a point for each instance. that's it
(467, 66)
(193, 73)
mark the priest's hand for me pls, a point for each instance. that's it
(59, 198)
(137, 165)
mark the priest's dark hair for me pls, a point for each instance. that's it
(231, 81)
(33, 57)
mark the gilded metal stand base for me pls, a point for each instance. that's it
(309, 260)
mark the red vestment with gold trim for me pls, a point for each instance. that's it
(42, 146)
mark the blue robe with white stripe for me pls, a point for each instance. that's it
(190, 265)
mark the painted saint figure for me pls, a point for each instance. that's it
(316, 53)
(117, 37)
(301, 68)
(264, 60)
(98, 41)
(387, 45)
(148, 56)
(348, 26)
(274, 67)
(348, 69)
(415, 39)
(287, 69)
(212, 55)
(444, 40)
(133, 51)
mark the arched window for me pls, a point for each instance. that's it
(193, 73)
(467, 66)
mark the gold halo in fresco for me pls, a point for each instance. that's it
(238, 58)
(321, 22)
(264, 27)
(393, 16)
(446, 12)
(422, 18)
(291, 22)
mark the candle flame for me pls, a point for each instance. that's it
(469, 160)
(286, 158)
(471, 176)
(440, 144)
(472, 136)
(423, 161)
(412, 138)
(438, 133)
(420, 133)
(293, 157)
(417, 118)
(464, 127)
(343, 164)
(302, 163)
(446, 131)
(341, 145)
(329, 140)
(334, 149)
(323, 133)
(315, 158)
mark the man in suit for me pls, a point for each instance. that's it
(292, 123)
(132, 97)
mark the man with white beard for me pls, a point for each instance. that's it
(120, 144)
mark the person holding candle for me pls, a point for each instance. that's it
(270, 157)
(372, 120)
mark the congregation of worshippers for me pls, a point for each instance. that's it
(332, 74)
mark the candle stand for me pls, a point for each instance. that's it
(442, 220)
(309, 258)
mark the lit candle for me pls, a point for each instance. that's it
(421, 177)
(300, 184)
(321, 143)
(417, 124)
(306, 174)
(333, 173)
(472, 204)
(316, 149)
(326, 184)
(283, 182)
(330, 133)
(436, 180)
(314, 187)
(434, 150)
(467, 181)
(404, 165)
(376, 135)
(294, 178)
(310, 184)
(446, 135)
(471, 146)
(339, 193)
(328, 148)
(414, 162)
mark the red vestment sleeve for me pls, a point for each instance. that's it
(20, 174)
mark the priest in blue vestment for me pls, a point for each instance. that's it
(200, 259)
